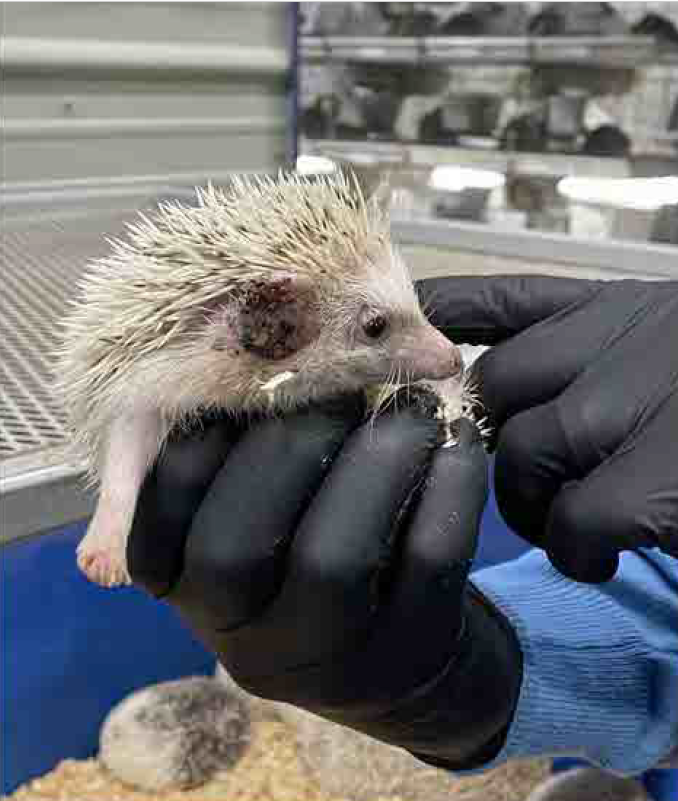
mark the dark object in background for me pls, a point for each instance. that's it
(348, 19)
(486, 19)
(483, 111)
(471, 114)
(607, 140)
(405, 19)
(379, 109)
(378, 91)
(422, 79)
(665, 228)
(577, 19)
(546, 23)
(318, 121)
(565, 114)
(663, 30)
(432, 132)
(529, 193)
(551, 79)
(673, 123)
(525, 133)
(468, 205)
(537, 196)
(466, 23)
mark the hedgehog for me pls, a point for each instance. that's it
(262, 297)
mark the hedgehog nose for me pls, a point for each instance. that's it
(443, 359)
(426, 353)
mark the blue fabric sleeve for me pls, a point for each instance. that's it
(600, 662)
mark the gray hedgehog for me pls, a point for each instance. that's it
(265, 296)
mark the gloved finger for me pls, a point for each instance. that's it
(237, 547)
(424, 592)
(533, 460)
(630, 501)
(489, 309)
(420, 592)
(168, 500)
(539, 364)
(636, 372)
(341, 547)
(542, 362)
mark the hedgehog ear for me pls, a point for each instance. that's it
(278, 316)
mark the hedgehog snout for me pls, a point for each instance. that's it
(425, 353)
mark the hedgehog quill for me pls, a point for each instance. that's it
(264, 297)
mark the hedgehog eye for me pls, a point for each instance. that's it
(373, 324)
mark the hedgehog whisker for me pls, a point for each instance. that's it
(399, 382)
(312, 350)
(384, 398)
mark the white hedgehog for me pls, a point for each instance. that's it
(266, 296)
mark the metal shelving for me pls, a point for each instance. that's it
(406, 154)
(609, 51)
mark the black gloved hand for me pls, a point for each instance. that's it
(583, 391)
(325, 562)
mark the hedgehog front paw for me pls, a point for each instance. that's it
(103, 563)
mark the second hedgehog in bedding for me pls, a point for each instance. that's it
(265, 296)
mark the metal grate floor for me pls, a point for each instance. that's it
(40, 261)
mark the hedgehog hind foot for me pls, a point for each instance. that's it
(101, 556)
(133, 442)
(103, 566)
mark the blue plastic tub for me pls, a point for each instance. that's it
(72, 650)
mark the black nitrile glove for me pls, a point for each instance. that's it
(583, 392)
(325, 562)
